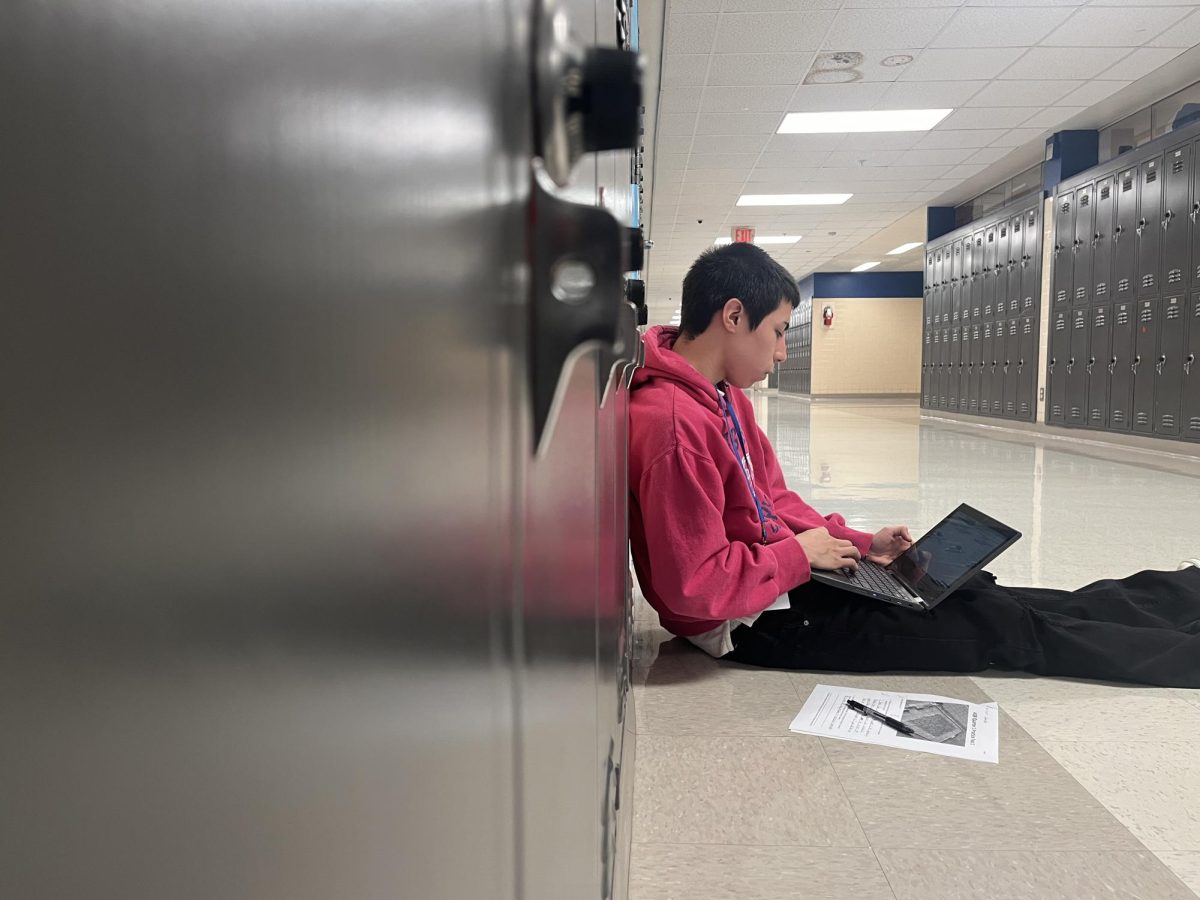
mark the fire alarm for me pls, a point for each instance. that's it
(827, 316)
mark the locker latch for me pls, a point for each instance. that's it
(1112, 365)
(1091, 364)
(1070, 365)
(1141, 226)
(1137, 361)
(1195, 211)
(1187, 363)
(1162, 361)
(1167, 219)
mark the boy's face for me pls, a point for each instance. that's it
(752, 355)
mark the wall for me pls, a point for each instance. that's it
(873, 347)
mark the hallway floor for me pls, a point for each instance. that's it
(1097, 793)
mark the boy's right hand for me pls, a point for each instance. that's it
(827, 552)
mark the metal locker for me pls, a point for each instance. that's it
(1176, 217)
(926, 364)
(966, 369)
(1145, 346)
(1016, 227)
(928, 271)
(1060, 351)
(1124, 238)
(979, 276)
(1008, 364)
(1121, 367)
(1077, 381)
(1027, 351)
(944, 380)
(975, 368)
(1189, 413)
(956, 283)
(1101, 241)
(987, 387)
(952, 370)
(938, 267)
(989, 272)
(1082, 246)
(1099, 366)
(967, 279)
(1001, 276)
(1061, 283)
(1031, 262)
(935, 370)
(1168, 365)
(1149, 226)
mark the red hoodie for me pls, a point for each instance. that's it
(694, 526)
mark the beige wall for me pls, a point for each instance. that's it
(873, 347)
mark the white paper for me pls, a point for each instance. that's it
(944, 726)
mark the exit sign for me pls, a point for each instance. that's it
(742, 234)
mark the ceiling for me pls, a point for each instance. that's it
(723, 73)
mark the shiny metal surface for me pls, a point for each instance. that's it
(263, 372)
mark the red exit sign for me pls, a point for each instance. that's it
(743, 234)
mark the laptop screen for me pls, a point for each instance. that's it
(945, 557)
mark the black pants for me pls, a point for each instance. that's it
(1144, 628)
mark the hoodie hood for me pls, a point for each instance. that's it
(662, 362)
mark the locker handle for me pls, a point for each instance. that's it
(1070, 365)
(1020, 365)
(1162, 361)
(1057, 249)
(1096, 238)
(1053, 361)
(1117, 232)
(1075, 245)
(1007, 363)
(1137, 361)
(1167, 216)
(1091, 363)
(1195, 211)
(1187, 363)
(1141, 226)
(1112, 365)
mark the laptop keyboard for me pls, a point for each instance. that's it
(874, 577)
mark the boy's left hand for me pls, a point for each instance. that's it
(889, 543)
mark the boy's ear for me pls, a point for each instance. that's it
(732, 314)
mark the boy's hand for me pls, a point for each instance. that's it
(889, 543)
(827, 552)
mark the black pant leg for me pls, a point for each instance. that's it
(1147, 599)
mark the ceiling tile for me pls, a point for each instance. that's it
(991, 117)
(1093, 92)
(857, 66)
(1055, 3)
(943, 157)
(778, 5)
(1140, 62)
(672, 143)
(864, 157)
(669, 162)
(1123, 26)
(699, 175)
(1020, 136)
(975, 138)
(690, 32)
(1023, 93)
(680, 99)
(966, 171)
(728, 98)
(772, 32)
(743, 161)
(1060, 62)
(798, 159)
(759, 68)
(989, 155)
(880, 140)
(695, 6)
(828, 97)
(738, 123)
(953, 65)
(929, 94)
(785, 143)
(1015, 26)
(867, 29)
(899, 4)
(676, 123)
(684, 68)
(729, 143)
(1052, 116)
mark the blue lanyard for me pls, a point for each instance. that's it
(744, 465)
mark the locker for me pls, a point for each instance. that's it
(1060, 351)
(1009, 366)
(1149, 226)
(1168, 366)
(987, 385)
(1027, 350)
(1189, 413)
(1082, 246)
(1102, 247)
(1124, 239)
(989, 272)
(1077, 381)
(952, 371)
(978, 260)
(1016, 227)
(1001, 276)
(965, 369)
(968, 278)
(1145, 345)
(935, 369)
(975, 367)
(938, 267)
(1031, 262)
(1176, 217)
(1121, 367)
(1099, 369)
(956, 284)
(925, 364)
(944, 378)
(928, 273)
(1061, 284)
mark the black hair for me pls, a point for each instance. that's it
(734, 270)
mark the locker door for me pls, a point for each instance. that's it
(1190, 390)
(1016, 227)
(1176, 217)
(1149, 226)
(978, 276)
(1168, 366)
(965, 369)
(944, 386)
(1031, 262)
(967, 280)
(1077, 370)
(956, 283)
(1145, 345)
(1121, 367)
(1012, 350)
(987, 381)
(928, 272)
(1124, 239)
(1098, 368)
(935, 371)
(952, 371)
(1064, 243)
(1082, 248)
(1001, 278)
(1101, 240)
(1060, 351)
(926, 365)
(989, 272)
(938, 267)
(975, 367)
(1027, 369)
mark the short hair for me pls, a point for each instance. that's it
(734, 270)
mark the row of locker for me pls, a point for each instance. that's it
(987, 368)
(1129, 233)
(1127, 367)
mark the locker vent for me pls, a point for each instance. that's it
(978, 242)
(1024, 407)
(1148, 280)
(991, 237)
(1012, 327)
(1080, 293)
(987, 310)
(1101, 319)
(1076, 413)
(1028, 302)
(1141, 419)
(1118, 417)
(956, 315)
(1003, 231)
(1151, 176)
(1065, 207)
(1174, 311)
(1127, 182)
(1177, 165)
(1146, 314)
(1097, 416)
(1016, 226)
(1175, 276)
(1080, 322)
(1167, 421)
(1013, 305)
(1194, 424)
(1083, 199)
(1101, 288)
(1056, 411)
(1009, 407)
(1060, 297)
(1028, 327)
(1123, 285)
(1060, 324)
(1105, 192)
(1032, 218)
(1122, 316)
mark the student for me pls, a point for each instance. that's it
(723, 550)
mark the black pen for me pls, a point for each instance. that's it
(879, 717)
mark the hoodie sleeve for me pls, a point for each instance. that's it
(696, 570)
(797, 514)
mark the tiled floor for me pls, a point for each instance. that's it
(1098, 790)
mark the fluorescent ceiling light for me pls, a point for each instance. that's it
(862, 120)
(792, 199)
(904, 248)
(865, 266)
